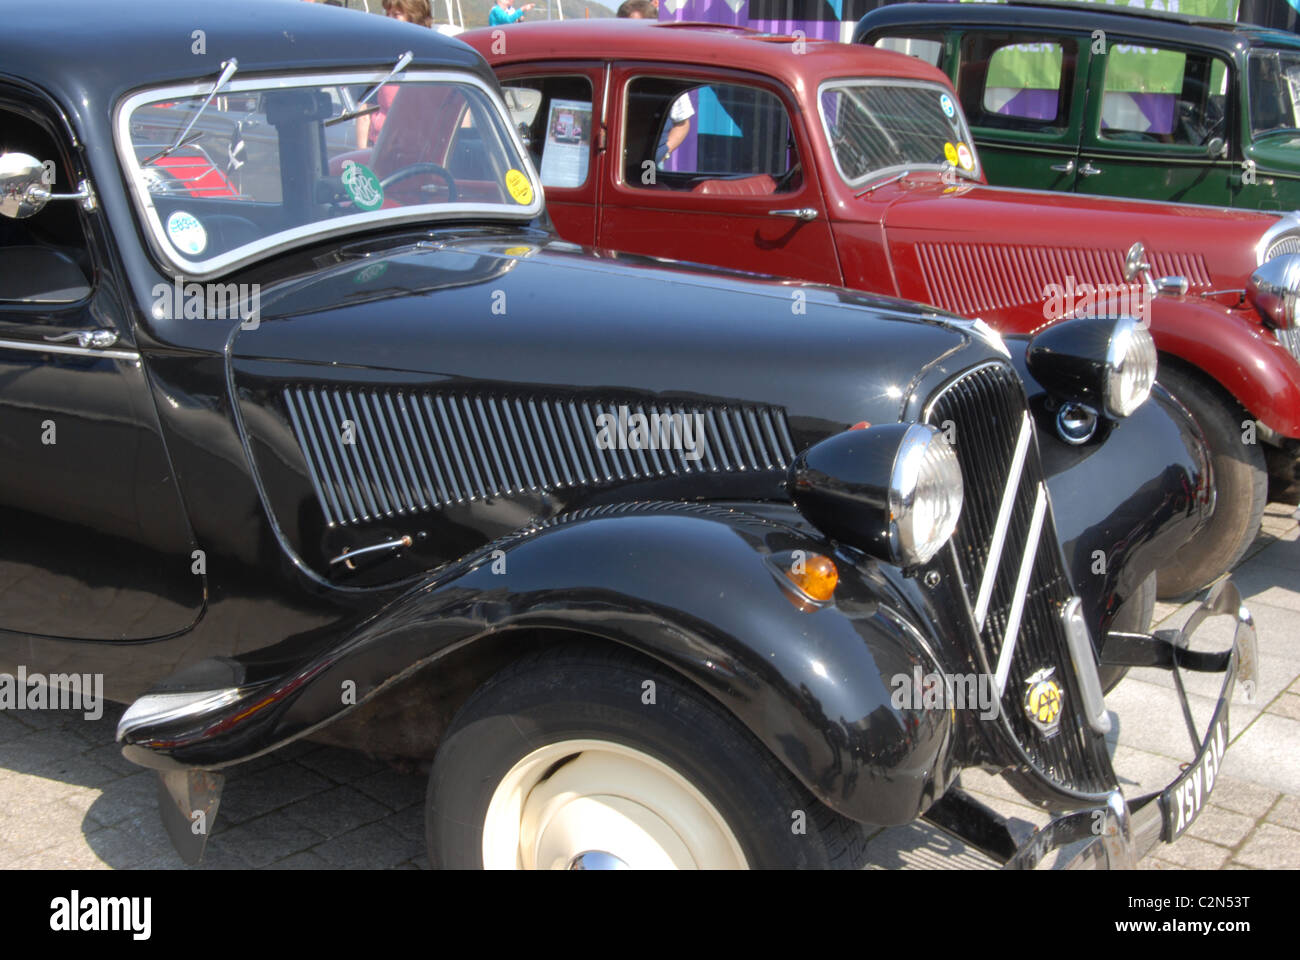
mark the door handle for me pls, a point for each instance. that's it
(1064, 167)
(1088, 170)
(799, 213)
(99, 339)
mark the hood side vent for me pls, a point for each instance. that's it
(387, 453)
(971, 278)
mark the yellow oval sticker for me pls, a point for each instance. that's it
(950, 153)
(519, 187)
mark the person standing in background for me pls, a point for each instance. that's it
(407, 11)
(681, 111)
(503, 12)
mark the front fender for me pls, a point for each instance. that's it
(1126, 501)
(689, 585)
(1232, 348)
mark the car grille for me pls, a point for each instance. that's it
(1291, 340)
(414, 451)
(993, 433)
(1282, 245)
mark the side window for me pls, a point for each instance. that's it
(927, 48)
(553, 116)
(1163, 96)
(1017, 81)
(713, 138)
(45, 256)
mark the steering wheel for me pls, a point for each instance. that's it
(415, 169)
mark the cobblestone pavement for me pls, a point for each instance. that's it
(69, 800)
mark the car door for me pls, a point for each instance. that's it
(94, 541)
(1158, 126)
(1022, 92)
(737, 188)
(559, 113)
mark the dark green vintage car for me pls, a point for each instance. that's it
(1116, 101)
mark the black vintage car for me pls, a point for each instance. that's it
(656, 565)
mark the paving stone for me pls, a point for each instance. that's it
(250, 795)
(1155, 863)
(1286, 705)
(342, 766)
(394, 789)
(1268, 752)
(269, 838)
(1187, 851)
(1242, 796)
(1219, 825)
(307, 860)
(375, 846)
(126, 797)
(1271, 848)
(337, 811)
(1286, 812)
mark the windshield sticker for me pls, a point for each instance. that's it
(965, 157)
(949, 110)
(519, 187)
(372, 272)
(950, 153)
(187, 233)
(363, 186)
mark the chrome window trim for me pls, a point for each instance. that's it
(32, 346)
(886, 171)
(176, 265)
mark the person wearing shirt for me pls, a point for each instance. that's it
(503, 12)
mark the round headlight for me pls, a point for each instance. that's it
(1274, 288)
(925, 494)
(1130, 368)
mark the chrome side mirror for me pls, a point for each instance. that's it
(1135, 262)
(1216, 148)
(525, 136)
(25, 190)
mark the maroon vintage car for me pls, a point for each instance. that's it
(847, 165)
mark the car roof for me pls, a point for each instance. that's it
(89, 51)
(697, 44)
(1227, 35)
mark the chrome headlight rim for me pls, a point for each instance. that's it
(1130, 369)
(1275, 290)
(925, 466)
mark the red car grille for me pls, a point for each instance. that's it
(971, 278)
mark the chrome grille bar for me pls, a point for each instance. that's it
(1012, 633)
(1003, 522)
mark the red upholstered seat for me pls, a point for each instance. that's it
(757, 186)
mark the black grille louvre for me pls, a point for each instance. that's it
(987, 407)
(413, 451)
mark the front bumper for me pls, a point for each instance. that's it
(1120, 831)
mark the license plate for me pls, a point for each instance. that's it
(1185, 798)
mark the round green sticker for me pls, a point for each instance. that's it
(362, 186)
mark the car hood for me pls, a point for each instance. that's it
(524, 313)
(976, 249)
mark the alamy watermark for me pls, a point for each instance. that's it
(1075, 299)
(208, 301)
(946, 691)
(624, 430)
(55, 691)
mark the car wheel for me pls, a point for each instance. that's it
(1240, 481)
(592, 758)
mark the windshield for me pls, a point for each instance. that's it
(1274, 92)
(880, 127)
(285, 161)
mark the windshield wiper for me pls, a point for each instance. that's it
(361, 109)
(228, 69)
